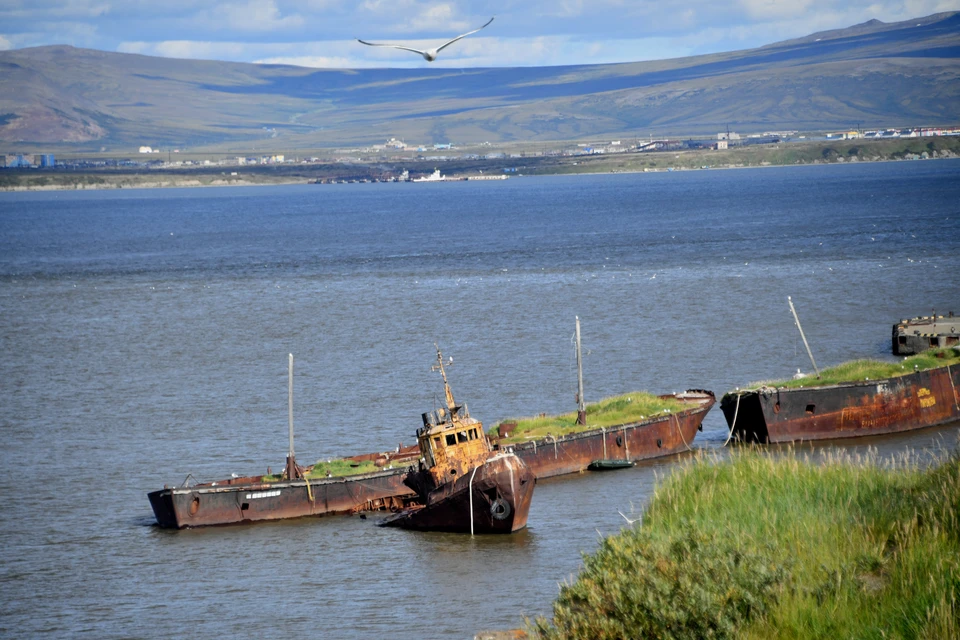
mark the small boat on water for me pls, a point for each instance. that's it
(853, 399)
(463, 485)
(611, 434)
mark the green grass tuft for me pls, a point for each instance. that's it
(623, 409)
(769, 545)
(338, 468)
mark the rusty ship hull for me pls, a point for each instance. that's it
(651, 438)
(494, 497)
(874, 407)
(243, 500)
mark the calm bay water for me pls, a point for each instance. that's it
(145, 333)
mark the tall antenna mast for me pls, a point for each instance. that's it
(581, 407)
(451, 405)
(809, 353)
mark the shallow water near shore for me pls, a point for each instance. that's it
(145, 336)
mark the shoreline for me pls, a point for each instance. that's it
(779, 155)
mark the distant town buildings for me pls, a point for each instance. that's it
(21, 161)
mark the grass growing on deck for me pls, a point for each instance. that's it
(623, 409)
(769, 545)
(334, 468)
(339, 467)
(858, 370)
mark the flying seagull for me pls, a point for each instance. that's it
(430, 54)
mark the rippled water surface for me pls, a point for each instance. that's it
(145, 336)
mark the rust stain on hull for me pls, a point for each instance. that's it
(651, 438)
(223, 503)
(914, 401)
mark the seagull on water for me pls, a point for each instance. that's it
(430, 54)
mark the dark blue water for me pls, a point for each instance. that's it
(144, 336)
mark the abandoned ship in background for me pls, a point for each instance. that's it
(918, 399)
(915, 335)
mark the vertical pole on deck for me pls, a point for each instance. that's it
(292, 472)
(290, 401)
(581, 406)
(809, 353)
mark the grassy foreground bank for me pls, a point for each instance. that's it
(768, 545)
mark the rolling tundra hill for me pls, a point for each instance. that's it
(874, 74)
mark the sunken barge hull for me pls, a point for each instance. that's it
(914, 401)
(494, 498)
(651, 438)
(249, 500)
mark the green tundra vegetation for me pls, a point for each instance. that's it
(778, 545)
(859, 370)
(623, 409)
(333, 469)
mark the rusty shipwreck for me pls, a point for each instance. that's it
(462, 484)
(369, 482)
(804, 409)
(589, 444)
(600, 448)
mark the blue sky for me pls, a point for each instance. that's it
(320, 33)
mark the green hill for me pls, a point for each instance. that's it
(875, 74)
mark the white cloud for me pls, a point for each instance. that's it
(321, 62)
(189, 49)
(525, 33)
(775, 9)
(254, 15)
(5, 44)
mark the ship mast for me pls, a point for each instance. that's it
(581, 406)
(292, 472)
(451, 405)
(809, 353)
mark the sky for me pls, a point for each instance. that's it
(322, 33)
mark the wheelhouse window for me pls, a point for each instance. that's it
(451, 439)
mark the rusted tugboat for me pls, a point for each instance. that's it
(916, 399)
(463, 485)
(615, 446)
(297, 492)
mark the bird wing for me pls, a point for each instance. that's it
(447, 44)
(395, 46)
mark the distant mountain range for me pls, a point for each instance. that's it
(873, 74)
